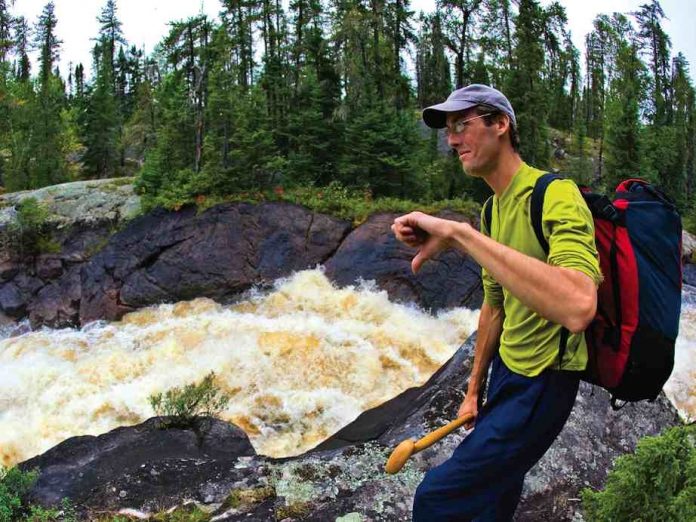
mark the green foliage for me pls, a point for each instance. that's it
(658, 482)
(31, 216)
(29, 229)
(14, 485)
(304, 94)
(184, 405)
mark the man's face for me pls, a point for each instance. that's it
(477, 145)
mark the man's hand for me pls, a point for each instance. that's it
(429, 234)
(469, 406)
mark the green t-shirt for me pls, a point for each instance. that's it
(529, 343)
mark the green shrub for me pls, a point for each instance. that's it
(30, 228)
(14, 485)
(657, 482)
(183, 405)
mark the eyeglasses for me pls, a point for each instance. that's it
(461, 125)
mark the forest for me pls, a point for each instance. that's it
(328, 93)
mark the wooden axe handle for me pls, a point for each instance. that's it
(433, 437)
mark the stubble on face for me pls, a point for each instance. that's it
(473, 146)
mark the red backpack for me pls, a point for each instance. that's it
(631, 340)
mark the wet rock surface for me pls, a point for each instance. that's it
(136, 464)
(173, 256)
(371, 252)
(343, 475)
(103, 262)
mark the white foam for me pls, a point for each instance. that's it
(300, 362)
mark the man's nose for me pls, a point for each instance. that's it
(452, 139)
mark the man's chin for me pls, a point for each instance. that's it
(471, 170)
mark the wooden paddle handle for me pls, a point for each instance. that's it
(433, 437)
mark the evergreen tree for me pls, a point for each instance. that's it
(526, 90)
(459, 21)
(623, 158)
(47, 42)
(682, 110)
(6, 22)
(432, 66)
(102, 126)
(22, 38)
(656, 44)
(496, 39)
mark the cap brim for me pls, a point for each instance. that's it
(435, 116)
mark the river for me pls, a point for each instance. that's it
(299, 362)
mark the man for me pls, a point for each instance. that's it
(533, 303)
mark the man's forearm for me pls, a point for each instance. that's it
(560, 295)
(488, 338)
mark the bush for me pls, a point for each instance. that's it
(658, 482)
(14, 485)
(30, 228)
(184, 405)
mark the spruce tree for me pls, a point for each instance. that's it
(525, 89)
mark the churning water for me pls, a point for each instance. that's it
(300, 362)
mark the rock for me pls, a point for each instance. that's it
(80, 218)
(136, 465)
(689, 274)
(688, 247)
(78, 202)
(345, 474)
(57, 303)
(371, 252)
(172, 256)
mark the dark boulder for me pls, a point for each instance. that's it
(140, 465)
(172, 256)
(371, 252)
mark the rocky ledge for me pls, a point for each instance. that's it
(104, 262)
(144, 469)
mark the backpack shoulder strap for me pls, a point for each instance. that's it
(537, 206)
(536, 209)
(487, 216)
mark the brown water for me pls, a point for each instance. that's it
(299, 362)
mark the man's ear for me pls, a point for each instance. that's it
(502, 124)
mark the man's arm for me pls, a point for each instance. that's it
(561, 295)
(490, 326)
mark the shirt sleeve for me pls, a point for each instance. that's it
(492, 291)
(569, 228)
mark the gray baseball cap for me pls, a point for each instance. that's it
(472, 95)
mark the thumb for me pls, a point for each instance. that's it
(417, 262)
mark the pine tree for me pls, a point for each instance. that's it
(47, 42)
(102, 122)
(623, 158)
(459, 23)
(656, 44)
(525, 89)
(22, 39)
(432, 66)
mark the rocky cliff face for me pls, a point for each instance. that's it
(107, 264)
